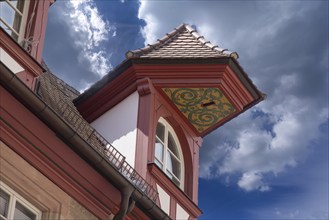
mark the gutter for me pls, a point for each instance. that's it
(129, 193)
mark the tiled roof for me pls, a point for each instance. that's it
(182, 43)
(59, 96)
(63, 87)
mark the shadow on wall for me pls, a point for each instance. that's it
(119, 126)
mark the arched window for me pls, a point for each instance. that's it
(168, 156)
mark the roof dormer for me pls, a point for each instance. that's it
(158, 104)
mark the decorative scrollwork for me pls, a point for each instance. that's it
(203, 107)
(30, 45)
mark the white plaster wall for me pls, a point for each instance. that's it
(164, 200)
(181, 214)
(119, 126)
(10, 62)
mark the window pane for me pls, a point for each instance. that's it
(176, 168)
(11, 17)
(172, 145)
(173, 165)
(173, 178)
(158, 163)
(19, 4)
(18, 18)
(7, 13)
(169, 162)
(160, 131)
(4, 203)
(176, 181)
(159, 151)
(169, 174)
(21, 212)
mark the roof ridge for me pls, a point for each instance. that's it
(169, 36)
(209, 44)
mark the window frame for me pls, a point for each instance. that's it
(15, 197)
(168, 129)
(23, 23)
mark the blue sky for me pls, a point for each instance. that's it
(272, 161)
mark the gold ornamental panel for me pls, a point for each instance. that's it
(203, 107)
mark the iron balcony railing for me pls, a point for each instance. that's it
(50, 89)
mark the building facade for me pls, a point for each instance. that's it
(126, 148)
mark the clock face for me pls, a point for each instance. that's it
(203, 107)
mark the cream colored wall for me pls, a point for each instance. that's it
(181, 214)
(119, 126)
(164, 200)
(37, 189)
(10, 62)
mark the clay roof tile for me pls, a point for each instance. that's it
(182, 42)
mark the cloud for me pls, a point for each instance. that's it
(85, 85)
(258, 151)
(277, 47)
(253, 181)
(89, 31)
(149, 31)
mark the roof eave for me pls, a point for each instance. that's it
(103, 81)
(233, 63)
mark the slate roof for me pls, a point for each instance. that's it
(59, 96)
(63, 87)
(182, 43)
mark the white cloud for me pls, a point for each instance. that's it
(287, 215)
(89, 30)
(288, 121)
(99, 62)
(149, 31)
(253, 181)
(259, 151)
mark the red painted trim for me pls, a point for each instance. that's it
(18, 143)
(148, 117)
(38, 27)
(27, 78)
(189, 140)
(186, 75)
(173, 206)
(110, 95)
(19, 54)
(179, 70)
(153, 104)
(151, 108)
(174, 191)
(144, 125)
(26, 135)
(237, 86)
